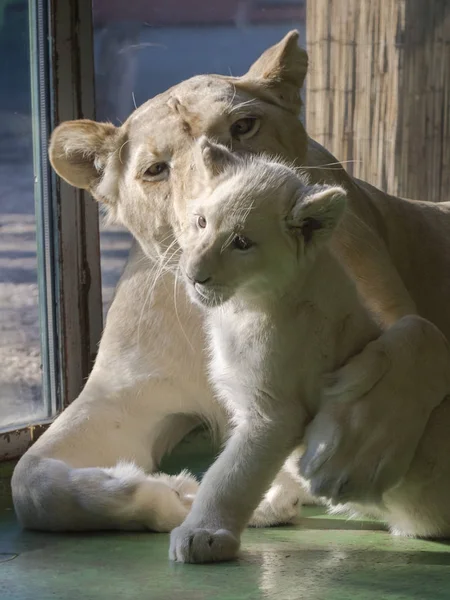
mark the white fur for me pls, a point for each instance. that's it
(270, 320)
(272, 313)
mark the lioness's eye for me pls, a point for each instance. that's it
(241, 242)
(156, 169)
(244, 128)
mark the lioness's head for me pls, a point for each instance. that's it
(255, 229)
(144, 171)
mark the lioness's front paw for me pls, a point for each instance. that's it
(197, 545)
(282, 504)
(168, 499)
(184, 485)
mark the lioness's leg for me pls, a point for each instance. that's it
(89, 469)
(420, 505)
(376, 409)
(147, 372)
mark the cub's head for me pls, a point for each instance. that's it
(144, 171)
(256, 227)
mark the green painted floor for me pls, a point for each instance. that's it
(324, 558)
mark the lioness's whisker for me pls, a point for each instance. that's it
(333, 164)
(242, 105)
(120, 151)
(160, 268)
(175, 294)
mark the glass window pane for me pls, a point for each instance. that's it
(26, 283)
(143, 48)
(20, 373)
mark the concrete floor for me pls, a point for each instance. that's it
(324, 558)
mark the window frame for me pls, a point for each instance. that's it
(67, 220)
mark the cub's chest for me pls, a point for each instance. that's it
(242, 339)
(257, 346)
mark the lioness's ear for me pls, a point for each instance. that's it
(213, 159)
(282, 70)
(316, 214)
(79, 152)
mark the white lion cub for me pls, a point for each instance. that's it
(255, 256)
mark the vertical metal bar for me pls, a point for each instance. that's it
(80, 305)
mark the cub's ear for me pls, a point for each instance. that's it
(213, 159)
(316, 214)
(79, 153)
(281, 70)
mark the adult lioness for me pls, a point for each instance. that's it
(148, 387)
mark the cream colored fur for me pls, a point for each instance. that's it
(93, 467)
(256, 257)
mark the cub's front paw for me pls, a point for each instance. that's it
(197, 545)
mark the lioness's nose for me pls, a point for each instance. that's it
(199, 278)
(202, 281)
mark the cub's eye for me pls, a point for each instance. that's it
(241, 243)
(244, 128)
(201, 222)
(156, 169)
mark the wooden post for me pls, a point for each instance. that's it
(378, 91)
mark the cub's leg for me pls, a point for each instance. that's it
(232, 488)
